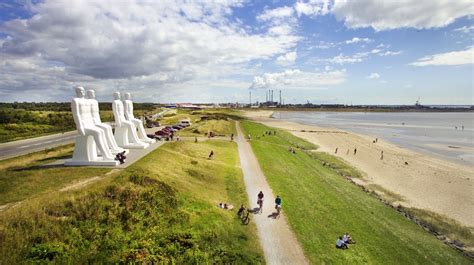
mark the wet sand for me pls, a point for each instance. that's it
(425, 182)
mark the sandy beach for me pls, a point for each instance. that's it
(422, 181)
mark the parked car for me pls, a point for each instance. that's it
(163, 133)
(185, 122)
(177, 127)
(170, 128)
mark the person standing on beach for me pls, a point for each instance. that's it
(355, 151)
(381, 155)
(335, 152)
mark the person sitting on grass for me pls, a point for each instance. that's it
(340, 244)
(347, 239)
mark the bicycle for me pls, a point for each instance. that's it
(244, 215)
(260, 205)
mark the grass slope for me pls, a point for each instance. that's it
(163, 209)
(321, 205)
(27, 176)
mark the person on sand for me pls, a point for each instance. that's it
(381, 155)
(335, 152)
(211, 155)
(355, 151)
(340, 244)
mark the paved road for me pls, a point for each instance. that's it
(279, 243)
(16, 148)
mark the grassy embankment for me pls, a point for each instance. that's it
(204, 121)
(28, 176)
(321, 205)
(162, 209)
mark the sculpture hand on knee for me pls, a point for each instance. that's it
(108, 133)
(82, 114)
(125, 131)
(128, 105)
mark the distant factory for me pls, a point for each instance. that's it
(270, 101)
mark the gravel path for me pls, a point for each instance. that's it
(279, 244)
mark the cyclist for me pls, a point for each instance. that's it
(278, 202)
(260, 201)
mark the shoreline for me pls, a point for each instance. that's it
(425, 182)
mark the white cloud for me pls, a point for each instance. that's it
(150, 45)
(296, 79)
(373, 76)
(286, 59)
(357, 40)
(343, 59)
(386, 15)
(464, 29)
(390, 53)
(312, 7)
(450, 58)
(277, 13)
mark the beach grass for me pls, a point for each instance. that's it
(162, 209)
(321, 205)
(29, 175)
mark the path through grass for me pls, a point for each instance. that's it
(321, 205)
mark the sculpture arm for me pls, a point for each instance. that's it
(76, 113)
(118, 122)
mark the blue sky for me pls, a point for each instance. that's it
(324, 51)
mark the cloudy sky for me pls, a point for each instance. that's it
(324, 51)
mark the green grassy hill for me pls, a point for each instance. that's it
(163, 209)
(321, 206)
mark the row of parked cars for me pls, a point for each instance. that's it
(167, 132)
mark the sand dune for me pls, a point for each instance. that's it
(426, 182)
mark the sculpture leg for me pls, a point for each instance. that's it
(99, 138)
(132, 132)
(141, 131)
(109, 136)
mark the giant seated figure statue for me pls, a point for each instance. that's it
(128, 104)
(109, 135)
(90, 136)
(125, 131)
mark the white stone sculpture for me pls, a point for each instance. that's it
(90, 136)
(125, 131)
(109, 135)
(128, 104)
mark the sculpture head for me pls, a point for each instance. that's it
(79, 92)
(128, 96)
(90, 94)
(117, 95)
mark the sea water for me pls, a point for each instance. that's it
(439, 134)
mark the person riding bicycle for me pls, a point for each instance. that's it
(278, 202)
(260, 200)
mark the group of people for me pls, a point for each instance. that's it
(278, 202)
(291, 149)
(344, 240)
